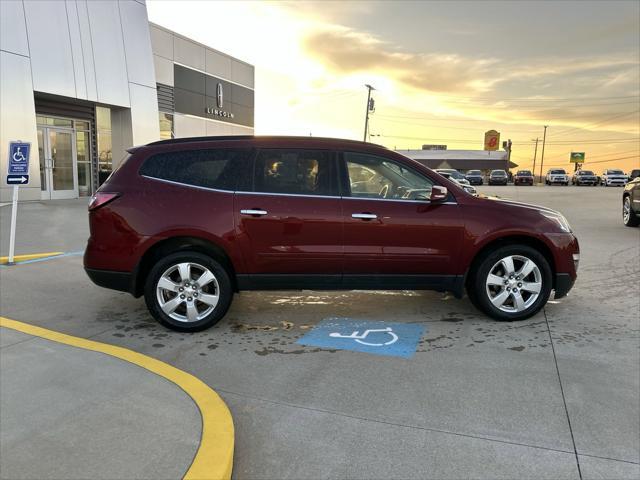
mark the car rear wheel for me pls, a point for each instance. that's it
(628, 215)
(511, 283)
(188, 291)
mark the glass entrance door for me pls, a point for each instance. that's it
(58, 159)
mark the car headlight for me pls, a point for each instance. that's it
(559, 219)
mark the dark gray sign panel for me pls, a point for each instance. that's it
(206, 96)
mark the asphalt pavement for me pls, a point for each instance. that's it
(555, 396)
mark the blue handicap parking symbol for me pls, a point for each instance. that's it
(377, 337)
(18, 158)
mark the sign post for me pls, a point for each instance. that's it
(17, 174)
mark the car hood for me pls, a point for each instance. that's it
(513, 203)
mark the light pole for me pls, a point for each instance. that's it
(366, 118)
(535, 154)
(544, 140)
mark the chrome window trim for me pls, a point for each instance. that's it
(288, 194)
(423, 202)
(199, 187)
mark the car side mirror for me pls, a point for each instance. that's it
(438, 194)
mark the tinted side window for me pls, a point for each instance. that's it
(203, 168)
(377, 177)
(294, 171)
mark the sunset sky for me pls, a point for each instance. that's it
(444, 72)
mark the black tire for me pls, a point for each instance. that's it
(477, 289)
(224, 291)
(632, 220)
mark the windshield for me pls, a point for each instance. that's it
(499, 173)
(474, 172)
(615, 172)
(585, 172)
(557, 172)
(524, 172)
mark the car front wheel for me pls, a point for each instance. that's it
(511, 283)
(628, 216)
(188, 291)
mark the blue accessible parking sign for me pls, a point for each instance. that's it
(18, 171)
(377, 337)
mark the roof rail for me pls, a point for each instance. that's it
(201, 139)
(261, 137)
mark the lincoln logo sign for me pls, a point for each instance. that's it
(219, 112)
(220, 95)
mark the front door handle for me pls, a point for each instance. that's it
(364, 216)
(253, 212)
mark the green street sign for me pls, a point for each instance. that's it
(577, 157)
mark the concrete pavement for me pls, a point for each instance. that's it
(74, 408)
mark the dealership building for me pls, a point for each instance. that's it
(462, 160)
(82, 81)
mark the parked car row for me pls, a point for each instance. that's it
(555, 176)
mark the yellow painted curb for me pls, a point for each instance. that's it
(214, 458)
(31, 256)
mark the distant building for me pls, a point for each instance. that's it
(462, 160)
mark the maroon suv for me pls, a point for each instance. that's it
(188, 222)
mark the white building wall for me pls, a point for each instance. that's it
(17, 109)
(17, 120)
(96, 50)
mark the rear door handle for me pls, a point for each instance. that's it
(254, 212)
(364, 216)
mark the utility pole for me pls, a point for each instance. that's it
(535, 154)
(544, 140)
(366, 118)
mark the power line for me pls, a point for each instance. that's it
(541, 108)
(610, 160)
(479, 141)
(601, 154)
(386, 119)
(565, 132)
(601, 141)
(550, 99)
(510, 121)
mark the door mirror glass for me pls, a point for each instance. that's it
(438, 194)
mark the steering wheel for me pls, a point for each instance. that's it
(384, 191)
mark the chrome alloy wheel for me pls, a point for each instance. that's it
(626, 209)
(514, 284)
(187, 292)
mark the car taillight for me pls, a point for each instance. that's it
(100, 199)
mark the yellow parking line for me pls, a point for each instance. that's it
(31, 256)
(214, 458)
